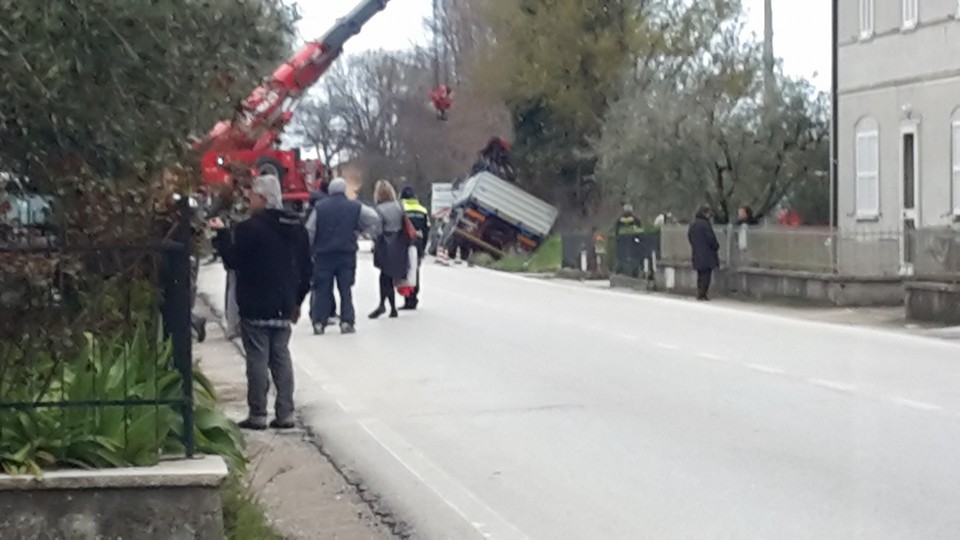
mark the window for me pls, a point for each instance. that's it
(866, 18)
(955, 163)
(868, 171)
(911, 14)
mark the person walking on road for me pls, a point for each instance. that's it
(334, 227)
(270, 254)
(420, 218)
(705, 248)
(390, 247)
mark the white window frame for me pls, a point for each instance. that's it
(955, 164)
(861, 176)
(911, 14)
(866, 18)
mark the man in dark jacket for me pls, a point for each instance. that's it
(271, 255)
(315, 197)
(420, 217)
(334, 226)
(705, 248)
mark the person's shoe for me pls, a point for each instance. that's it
(282, 424)
(255, 425)
(377, 313)
(394, 314)
(319, 329)
(347, 328)
(201, 329)
(408, 307)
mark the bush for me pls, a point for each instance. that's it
(110, 436)
(546, 259)
(243, 517)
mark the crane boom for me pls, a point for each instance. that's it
(261, 117)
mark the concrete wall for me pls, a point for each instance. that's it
(933, 302)
(177, 500)
(764, 284)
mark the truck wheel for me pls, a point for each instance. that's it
(268, 165)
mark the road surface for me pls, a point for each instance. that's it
(518, 408)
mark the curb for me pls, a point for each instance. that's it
(370, 498)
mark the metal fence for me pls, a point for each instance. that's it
(866, 253)
(95, 345)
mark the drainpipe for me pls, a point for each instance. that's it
(834, 131)
(834, 117)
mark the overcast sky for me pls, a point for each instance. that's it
(801, 29)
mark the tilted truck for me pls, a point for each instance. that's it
(495, 216)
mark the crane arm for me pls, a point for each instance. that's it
(263, 114)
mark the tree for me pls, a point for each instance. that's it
(694, 125)
(317, 125)
(559, 63)
(101, 96)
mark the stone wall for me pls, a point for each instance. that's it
(177, 500)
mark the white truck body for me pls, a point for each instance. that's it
(491, 194)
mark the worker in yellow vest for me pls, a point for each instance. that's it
(420, 217)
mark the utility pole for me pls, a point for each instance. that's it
(769, 81)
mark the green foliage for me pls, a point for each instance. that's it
(546, 259)
(697, 124)
(560, 62)
(243, 517)
(117, 85)
(110, 436)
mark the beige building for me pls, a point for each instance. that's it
(899, 116)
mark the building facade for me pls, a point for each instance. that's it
(899, 116)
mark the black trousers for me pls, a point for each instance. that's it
(386, 291)
(703, 283)
(414, 299)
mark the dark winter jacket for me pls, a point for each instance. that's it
(336, 223)
(390, 251)
(271, 256)
(703, 244)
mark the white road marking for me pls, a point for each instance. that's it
(833, 385)
(919, 405)
(442, 484)
(668, 346)
(766, 369)
(710, 356)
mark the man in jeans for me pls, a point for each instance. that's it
(270, 254)
(334, 226)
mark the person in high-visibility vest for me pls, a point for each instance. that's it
(420, 217)
(628, 223)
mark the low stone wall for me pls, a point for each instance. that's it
(176, 500)
(930, 301)
(765, 284)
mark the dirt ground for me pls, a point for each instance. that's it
(303, 494)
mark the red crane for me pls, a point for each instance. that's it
(250, 138)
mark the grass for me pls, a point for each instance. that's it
(546, 259)
(243, 517)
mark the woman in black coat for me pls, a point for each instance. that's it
(704, 247)
(390, 249)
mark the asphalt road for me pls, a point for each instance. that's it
(518, 408)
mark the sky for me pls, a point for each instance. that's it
(801, 30)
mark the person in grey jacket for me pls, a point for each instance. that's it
(334, 226)
(390, 251)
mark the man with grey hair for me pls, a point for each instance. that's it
(334, 226)
(270, 253)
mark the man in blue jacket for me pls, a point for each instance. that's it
(270, 254)
(334, 226)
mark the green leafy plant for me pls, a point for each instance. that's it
(140, 368)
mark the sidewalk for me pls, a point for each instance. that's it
(303, 494)
(884, 318)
